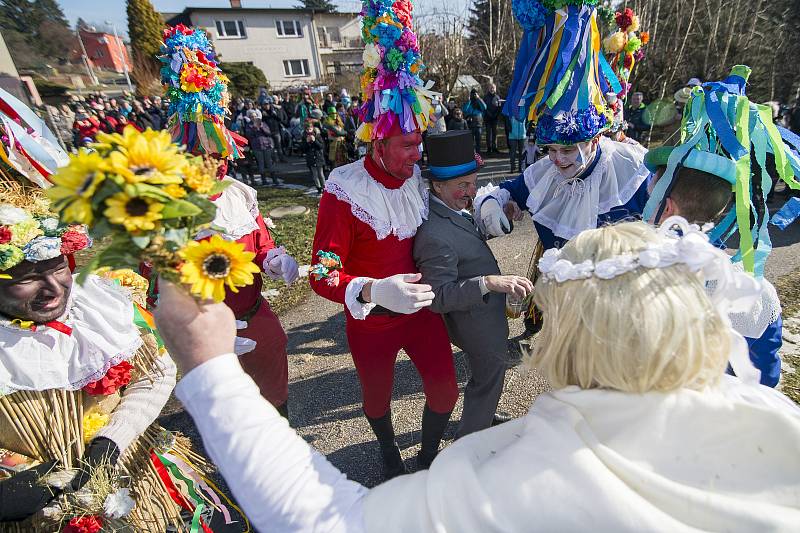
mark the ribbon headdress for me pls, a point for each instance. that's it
(558, 83)
(395, 98)
(197, 91)
(725, 134)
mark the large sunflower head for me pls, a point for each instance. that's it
(147, 157)
(74, 185)
(136, 213)
(212, 264)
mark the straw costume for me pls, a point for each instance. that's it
(365, 234)
(79, 450)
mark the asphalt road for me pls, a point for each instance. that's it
(324, 393)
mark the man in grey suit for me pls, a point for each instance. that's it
(455, 260)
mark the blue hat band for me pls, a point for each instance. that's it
(450, 172)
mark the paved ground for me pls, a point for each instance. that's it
(324, 390)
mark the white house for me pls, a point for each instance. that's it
(284, 43)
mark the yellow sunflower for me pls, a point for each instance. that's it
(175, 190)
(198, 176)
(212, 264)
(74, 185)
(148, 157)
(136, 213)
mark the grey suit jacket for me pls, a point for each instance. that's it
(452, 256)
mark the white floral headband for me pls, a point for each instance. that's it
(730, 290)
(686, 244)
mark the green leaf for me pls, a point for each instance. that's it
(180, 208)
(101, 228)
(148, 191)
(219, 186)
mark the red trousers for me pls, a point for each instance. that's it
(267, 363)
(424, 338)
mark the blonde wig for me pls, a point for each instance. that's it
(646, 330)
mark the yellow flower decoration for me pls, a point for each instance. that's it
(24, 232)
(175, 190)
(614, 42)
(386, 19)
(74, 185)
(148, 157)
(197, 176)
(92, 423)
(136, 213)
(213, 264)
(127, 278)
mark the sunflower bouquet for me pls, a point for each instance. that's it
(148, 199)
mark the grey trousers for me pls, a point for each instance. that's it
(483, 390)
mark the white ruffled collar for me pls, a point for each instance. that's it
(568, 207)
(237, 211)
(103, 335)
(397, 212)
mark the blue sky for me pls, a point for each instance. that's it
(99, 11)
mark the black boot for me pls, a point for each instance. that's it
(283, 410)
(433, 427)
(393, 464)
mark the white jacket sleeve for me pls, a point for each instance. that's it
(141, 404)
(280, 481)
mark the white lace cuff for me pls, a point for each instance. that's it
(356, 308)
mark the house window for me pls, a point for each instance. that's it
(230, 29)
(99, 53)
(289, 28)
(295, 67)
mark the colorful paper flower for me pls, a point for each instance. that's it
(213, 264)
(117, 377)
(614, 43)
(24, 232)
(118, 504)
(92, 423)
(42, 249)
(10, 215)
(372, 55)
(10, 256)
(394, 59)
(633, 44)
(5, 234)
(73, 241)
(645, 37)
(624, 19)
(84, 524)
(529, 13)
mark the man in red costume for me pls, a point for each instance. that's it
(368, 216)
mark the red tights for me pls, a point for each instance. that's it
(424, 338)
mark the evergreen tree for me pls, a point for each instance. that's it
(145, 29)
(246, 79)
(324, 6)
(36, 32)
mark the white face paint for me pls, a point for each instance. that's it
(570, 160)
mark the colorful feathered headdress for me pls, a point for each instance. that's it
(724, 134)
(560, 75)
(197, 92)
(395, 98)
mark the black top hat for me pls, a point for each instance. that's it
(451, 155)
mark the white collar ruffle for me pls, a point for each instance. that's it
(397, 212)
(103, 335)
(568, 207)
(237, 212)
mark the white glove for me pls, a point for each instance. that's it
(400, 293)
(278, 264)
(493, 218)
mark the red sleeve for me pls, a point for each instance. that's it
(334, 233)
(263, 242)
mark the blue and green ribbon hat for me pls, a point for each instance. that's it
(560, 74)
(724, 134)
